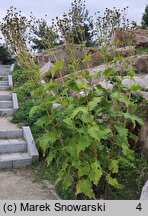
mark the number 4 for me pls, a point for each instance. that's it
(139, 207)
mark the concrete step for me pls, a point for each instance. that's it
(6, 104)
(12, 146)
(5, 67)
(11, 134)
(3, 83)
(3, 88)
(15, 160)
(3, 78)
(4, 73)
(5, 97)
(7, 112)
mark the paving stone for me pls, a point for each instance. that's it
(3, 88)
(3, 78)
(12, 146)
(14, 134)
(5, 104)
(7, 112)
(3, 83)
(5, 164)
(11, 134)
(5, 97)
(15, 160)
(22, 162)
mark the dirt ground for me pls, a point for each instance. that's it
(22, 185)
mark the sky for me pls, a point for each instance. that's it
(55, 8)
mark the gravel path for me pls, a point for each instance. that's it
(22, 185)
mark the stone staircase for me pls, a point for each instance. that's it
(17, 147)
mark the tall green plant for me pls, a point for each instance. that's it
(87, 135)
(84, 128)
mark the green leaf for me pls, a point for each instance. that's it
(98, 134)
(133, 118)
(82, 130)
(50, 157)
(69, 122)
(82, 144)
(83, 171)
(92, 104)
(131, 73)
(123, 132)
(67, 181)
(79, 109)
(135, 88)
(58, 66)
(87, 59)
(41, 122)
(127, 151)
(85, 187)
(71, 147)
(119, 97)
(95, 172)
(133, 137)
(47, 139)
(113, 182)
(81, 84)
(113, 166)
(62, 172)
(133, 107)
(34, 110)
(87, 117)
(109, 72)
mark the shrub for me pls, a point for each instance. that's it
(87, 136)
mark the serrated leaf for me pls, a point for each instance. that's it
(87, 117)
(123, 132)
(133, 118)
(79, 109)
(133, 137)
(120, 97)
(95, 172)
(71, 147)
(98, 134)
(85, 187)
(113, 182)
(81, 84)
(92, 104)
(135, 88)
(131, 73)
(82, 144)
(127, 151)
(69, 122)
(47, 139)
(42, 121)
(67, 181)
(113, 166)
(83, 171)
(58, 66)
(87, 58)
(34, 110)
(50, 157)
(109, 72)
(133, 107)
